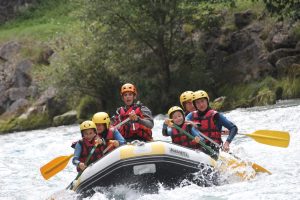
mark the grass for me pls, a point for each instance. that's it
(41, 22)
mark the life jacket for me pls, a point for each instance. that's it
(182, 139)
(134, 130)
(86, 148)
(208, 126)
(108, 135)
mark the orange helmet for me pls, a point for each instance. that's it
(128, 87)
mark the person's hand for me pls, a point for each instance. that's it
(225, 132)
(226, 147)
(82, 166)
(98, 141)
(114, 142)
(133, 116)
(196, 139)
(169, 122)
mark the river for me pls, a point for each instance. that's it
(23, 153)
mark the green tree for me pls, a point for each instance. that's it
(151, 42)
(287, 8)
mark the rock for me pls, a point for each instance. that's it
(9, 50)
(22, 77)
(18, 93)
(281, 53)
(16, 108)
(285, 63)
(65, 119)
(244, 18)
(31, 111)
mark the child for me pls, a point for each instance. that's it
(141, 121)
(176, 115)
(104, 131)
(186, 102)
(84, 146)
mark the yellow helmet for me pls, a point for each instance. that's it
(87, 125)
(173, 109)
(200, 94)
(128, 87)
(185, 96)
(101, 118)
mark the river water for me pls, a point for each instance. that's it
(23, 153)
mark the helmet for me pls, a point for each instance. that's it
(87, 125)
(128, 87)
(173, 109)
(185, 96)
(101, 118)
(200, 94)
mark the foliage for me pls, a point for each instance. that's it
(140, 41)
(287, 8)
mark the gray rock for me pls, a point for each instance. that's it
(18, 106)
(285, 63)
(9, 50)
(281, 53)
(65, 119)
(18, 93)
(22, 77)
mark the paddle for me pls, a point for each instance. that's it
(212, 152)
(255, 166)
(55, 166)
(58, 164)
(270, 137)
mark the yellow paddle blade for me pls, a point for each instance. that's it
(259, 168)
(269, 137)
(55, 166)
(239, 167)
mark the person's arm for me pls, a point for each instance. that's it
(119, 137)
(189, 117)
(77, 153)
(166, 131)
(196, 133)
(148, 119)
(223, 121)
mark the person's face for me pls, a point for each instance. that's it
(100, 128)
(201, 104)
(128, 98)
(177, 118)
(188, 106)
(89, 134)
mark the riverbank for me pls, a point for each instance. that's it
(55, 68)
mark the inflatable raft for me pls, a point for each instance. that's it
(147, 164)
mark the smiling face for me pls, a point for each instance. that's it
(178, 117)
(128, 98)
(100, 128)
(201, 104)
(89, 134)
(188, 106)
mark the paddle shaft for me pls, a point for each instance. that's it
(192, 137)
(87, 160)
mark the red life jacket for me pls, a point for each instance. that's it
(108, 135)
(208, 126)
(86, 148)
(135, 130)
(182, 139)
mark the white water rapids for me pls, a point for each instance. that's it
(23, 153)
